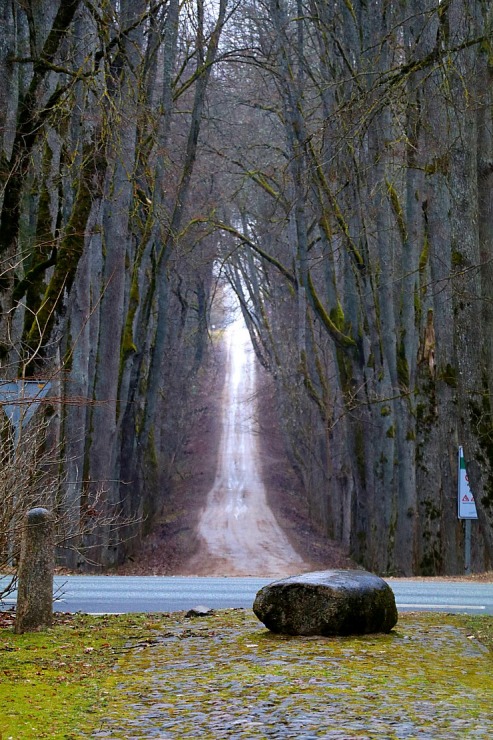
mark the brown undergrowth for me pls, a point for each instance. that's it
(284, 489)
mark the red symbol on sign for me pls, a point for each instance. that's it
(465, 498)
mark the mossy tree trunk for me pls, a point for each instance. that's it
(29, 93)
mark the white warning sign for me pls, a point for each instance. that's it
(467, 505)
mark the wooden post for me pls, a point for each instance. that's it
(36, 568)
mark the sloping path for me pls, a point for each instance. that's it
(238, 532)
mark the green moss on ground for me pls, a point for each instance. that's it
(52, 682)
(226, 676)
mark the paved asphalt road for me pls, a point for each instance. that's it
(104, 594)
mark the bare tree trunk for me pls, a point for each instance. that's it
(103, 450)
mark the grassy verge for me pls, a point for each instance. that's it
(52, 683)
(105, 676)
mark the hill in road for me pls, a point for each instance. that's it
(175, 547)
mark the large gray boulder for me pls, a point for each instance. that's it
(328, 602)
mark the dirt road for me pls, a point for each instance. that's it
(238, 532)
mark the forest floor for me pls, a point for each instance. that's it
(173, 543)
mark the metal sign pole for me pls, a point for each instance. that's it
(467, 547)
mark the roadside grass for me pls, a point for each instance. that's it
(104, 676)
(52, 681)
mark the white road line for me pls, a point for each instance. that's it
(440, 606)
(104, 614)
(14, 601)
